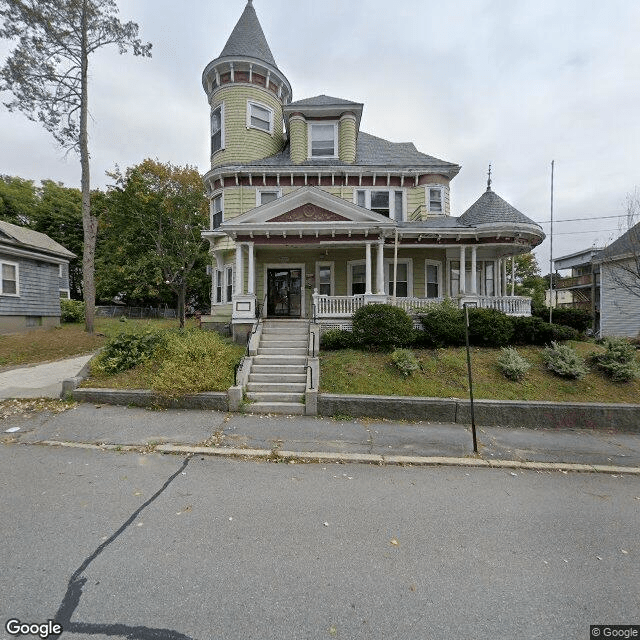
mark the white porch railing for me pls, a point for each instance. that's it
(345, 306)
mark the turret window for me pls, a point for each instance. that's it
(259, 116)
(216, 211)
(436, 200)
(323, 140)
(217, 129)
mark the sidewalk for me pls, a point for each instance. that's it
(40, 380)
(121, 427)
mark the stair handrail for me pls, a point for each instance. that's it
(240, 362)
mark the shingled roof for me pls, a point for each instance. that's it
(628, 243)
(24, 238)
(321, 101)
(371, 152)
(490, 208)
(248, 39)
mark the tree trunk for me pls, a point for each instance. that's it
(182, 295)
(89, 222)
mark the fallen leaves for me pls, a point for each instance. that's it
(22, 406)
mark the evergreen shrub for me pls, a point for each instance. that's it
(442, 326)
(618, 361)
(127, 350)
(564, 361)
(335, 339)
(71, 310)
(512, 365)
(489, 328)
(382, 326)
(405, 361)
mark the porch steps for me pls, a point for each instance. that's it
(278, 376)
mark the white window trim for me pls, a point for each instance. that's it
(350, 264)
(335, 138)
(226, 269)
(17, 266)
(388, 264)
(214, 195)
(222, 137)
(255, 103)
(427, 195)
(332, 286)
(436, 263)
(392, 199)
(261, 190)
(60, 270)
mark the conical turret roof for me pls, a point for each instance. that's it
(247, 38)
(490, 208)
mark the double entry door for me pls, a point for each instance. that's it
(284, 293)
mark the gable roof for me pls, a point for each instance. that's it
(248, 39)
(490, 208)
(24, 238)
(628, 243)
(371, 151)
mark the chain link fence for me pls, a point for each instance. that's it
(118, 311)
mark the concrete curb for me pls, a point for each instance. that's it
(215, 401)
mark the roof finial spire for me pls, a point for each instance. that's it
(489, 180)
(249, 1)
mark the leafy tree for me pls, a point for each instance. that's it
(48, 74)
(18, 200)
(528, 281)
(150, 234)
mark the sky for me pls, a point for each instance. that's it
(516, 84)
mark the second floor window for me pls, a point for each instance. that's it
(216, 211)
(217, 142)
(259, 117)
(322, 140)
(388, 203)
(436, 200)
(267, 196)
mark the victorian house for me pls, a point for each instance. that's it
(312, 218)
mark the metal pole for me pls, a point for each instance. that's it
(551, 252)
(466, 335)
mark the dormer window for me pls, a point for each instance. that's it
(323, 140)
(259, 116)
(217, 137)
(436, 200)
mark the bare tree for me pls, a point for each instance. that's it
(47, 73)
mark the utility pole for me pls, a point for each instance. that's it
(551, 252)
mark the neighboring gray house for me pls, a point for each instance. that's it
(34, 273)
(620, 285)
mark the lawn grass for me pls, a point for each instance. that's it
(67, 341)
(443, 374)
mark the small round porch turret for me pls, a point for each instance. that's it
(246, 92)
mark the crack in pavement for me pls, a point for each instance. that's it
(77, 581)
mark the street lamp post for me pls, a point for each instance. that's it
(466, 306)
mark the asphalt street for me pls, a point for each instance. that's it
(147, 546)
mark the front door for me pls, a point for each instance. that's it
(284, 293)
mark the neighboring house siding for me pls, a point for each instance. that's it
(39, 289)
(243, 144)
(619, 308)
(347, 139)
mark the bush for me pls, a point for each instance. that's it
(564, 361)
(532, 330)
(335, 339)
(443, 326)
(382, 326)
(71, 310)
(489, 328)
(618, 361)
(405, 361)
(126, 350)
(512, 365)
(578, 319)
(564, 332)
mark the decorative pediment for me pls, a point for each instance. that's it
(309, 213)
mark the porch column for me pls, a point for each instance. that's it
(513, 276)
(239, 274)
(251, 286)
(474, 279)
(463, 270)
(380, 268)
(368, 291)
(505, 291)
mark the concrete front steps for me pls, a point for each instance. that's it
(278, 376)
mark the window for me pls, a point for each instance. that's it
(9, 283)
(259, 116)
(229, 271)
(436, 200)
(64, 293)
(489, 289)
(385, 202)
(219, 285)
(324, 278)
(217, 132)
(267, 195)
(323, 140)
(432, 279)
(60, 271)
(402, 279)
(216, 211)
(358, 273)
(454, 277)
